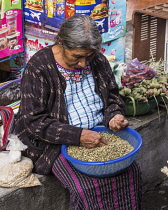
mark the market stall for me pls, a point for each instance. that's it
(143, 84)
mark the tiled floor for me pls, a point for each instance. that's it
(139, 4)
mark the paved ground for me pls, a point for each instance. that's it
(156, 199)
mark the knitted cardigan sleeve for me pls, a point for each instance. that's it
(42, 113)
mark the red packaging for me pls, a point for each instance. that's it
(69, 8)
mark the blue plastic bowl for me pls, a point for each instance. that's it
(111, 167)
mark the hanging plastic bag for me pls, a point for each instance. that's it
(136, 72)
(15, 170)
(117, 69)
(9, 92)
(15, 146)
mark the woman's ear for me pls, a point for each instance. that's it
(58, 40)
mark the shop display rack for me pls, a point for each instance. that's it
(12, 75)
(150, 38)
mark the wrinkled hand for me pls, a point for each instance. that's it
(118, 123)
(91, 139)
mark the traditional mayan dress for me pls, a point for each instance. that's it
(46, 117)
(121, 192)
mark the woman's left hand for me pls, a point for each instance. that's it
(118, 123)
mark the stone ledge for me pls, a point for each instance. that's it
(153, 155)
(52, 196)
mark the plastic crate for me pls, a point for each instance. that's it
(149, 28)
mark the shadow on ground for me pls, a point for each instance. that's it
(156, 199)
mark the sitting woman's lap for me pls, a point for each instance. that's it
(121, 192)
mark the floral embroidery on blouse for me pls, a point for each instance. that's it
(74, 75)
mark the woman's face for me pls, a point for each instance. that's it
(77, 58)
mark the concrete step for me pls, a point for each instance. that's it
(49, 196)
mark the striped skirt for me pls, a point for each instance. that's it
(121, 192)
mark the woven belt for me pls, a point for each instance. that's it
(7, 121)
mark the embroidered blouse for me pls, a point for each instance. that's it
(83, 104)
(43, 113)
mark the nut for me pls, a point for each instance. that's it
(117, 148)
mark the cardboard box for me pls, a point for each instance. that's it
(11, 30)
(116, 20)
(115, 49)
(36, 38)
(109, 15)
(39, 31)
(97, 10)
(5, 65)
(10, 4)
(34, 11)
(34, 44)
(48, 13)
(54, 13)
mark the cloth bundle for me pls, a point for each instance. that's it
(6, 122)
(15, 170)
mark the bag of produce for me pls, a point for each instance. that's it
(136, 72)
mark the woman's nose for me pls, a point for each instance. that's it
(82, 62)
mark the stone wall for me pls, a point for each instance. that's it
(153, 154)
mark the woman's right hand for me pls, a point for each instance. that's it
(91, 139)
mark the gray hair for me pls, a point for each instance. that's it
(79, 31)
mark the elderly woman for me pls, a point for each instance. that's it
(66, 90)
